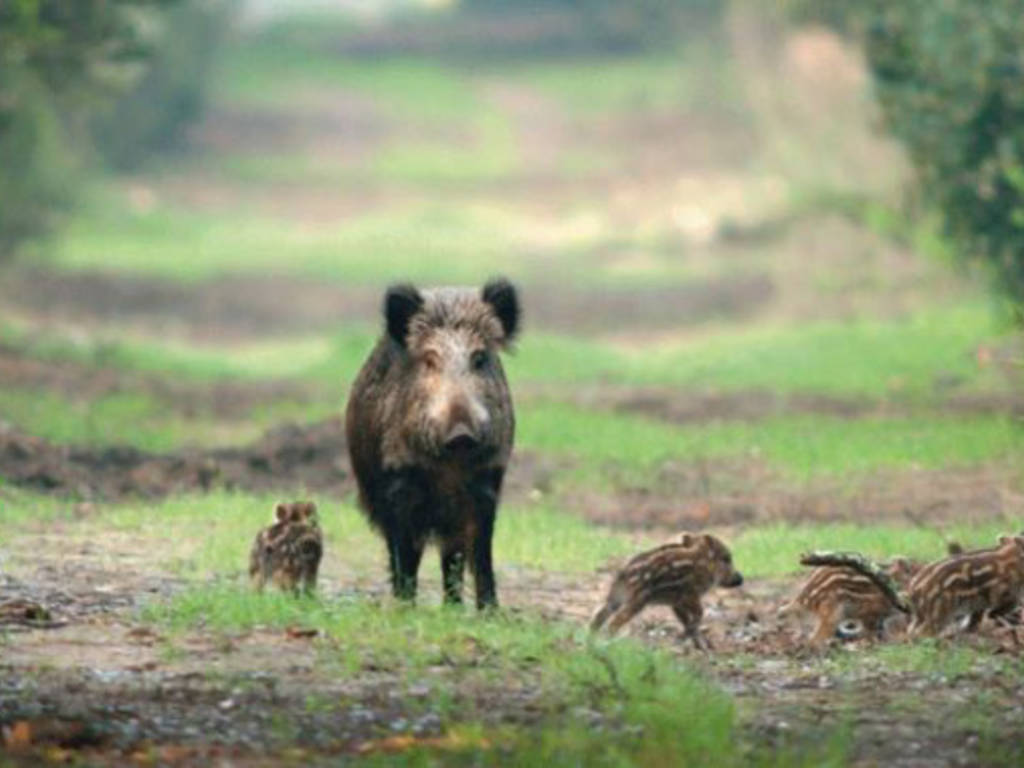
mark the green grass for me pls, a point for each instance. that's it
(913, 360)
(20, 508)
(489, 155)
(144, 421)
(774, 550)
(867, 357)
(550, 664)
(801, 447)
(271, 72)
(534, 536)
(133, 418)
(427, 243)
(589, 87)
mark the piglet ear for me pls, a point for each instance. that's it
(281, 512)
(1007, 539)
(504, 300)
(401, 302)
(686, 539)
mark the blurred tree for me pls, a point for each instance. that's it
(949, 76)
(64, 64)
(618, 25)
(153, 115)
(58, 59)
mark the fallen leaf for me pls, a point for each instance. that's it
(393, 744)
(18, 735)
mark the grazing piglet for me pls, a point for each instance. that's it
(430, 427)
(288, 552)
(972, 584)
(837, 594)
(676, 575)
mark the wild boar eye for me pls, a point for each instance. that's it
(432, 361)
(479, 359)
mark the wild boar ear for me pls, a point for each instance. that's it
(401, 302)
(310, 509)
(686, 539)
(504, 300)
(281, 512)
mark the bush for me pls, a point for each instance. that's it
(949, 77)
(615, 25)
(63, 66)
(154, 115)
(58, 59)
(36, 166)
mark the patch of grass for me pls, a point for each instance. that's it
(546, 664)
(802, 447)
(19, 507)
(932, 658)
(545, 538)
(866, 358)
(896, 360)
(773, 550)
(540, 537)
(228, 522)
(266, 71)
(106, 348)
(144, 421)
(127, 418)
(624, 85)
(427, 243)
(488, 155)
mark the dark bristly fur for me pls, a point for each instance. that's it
(288, 552)
(430, 428)
(676, 575)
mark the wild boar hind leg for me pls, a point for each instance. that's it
(485, 492)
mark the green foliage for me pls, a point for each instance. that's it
(612, 25)
(153, 115)
(947, 74)
(37, 168)
(61, 64)
(57, 60)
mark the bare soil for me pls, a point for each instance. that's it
(242, 307)
(101, 686)
(81, 382)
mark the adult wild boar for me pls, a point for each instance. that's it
(430, 428)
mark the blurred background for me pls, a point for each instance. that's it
(768, 251)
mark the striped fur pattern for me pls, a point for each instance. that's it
(288, 552)
(675, 574)
(838, 594)
(972, 584)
